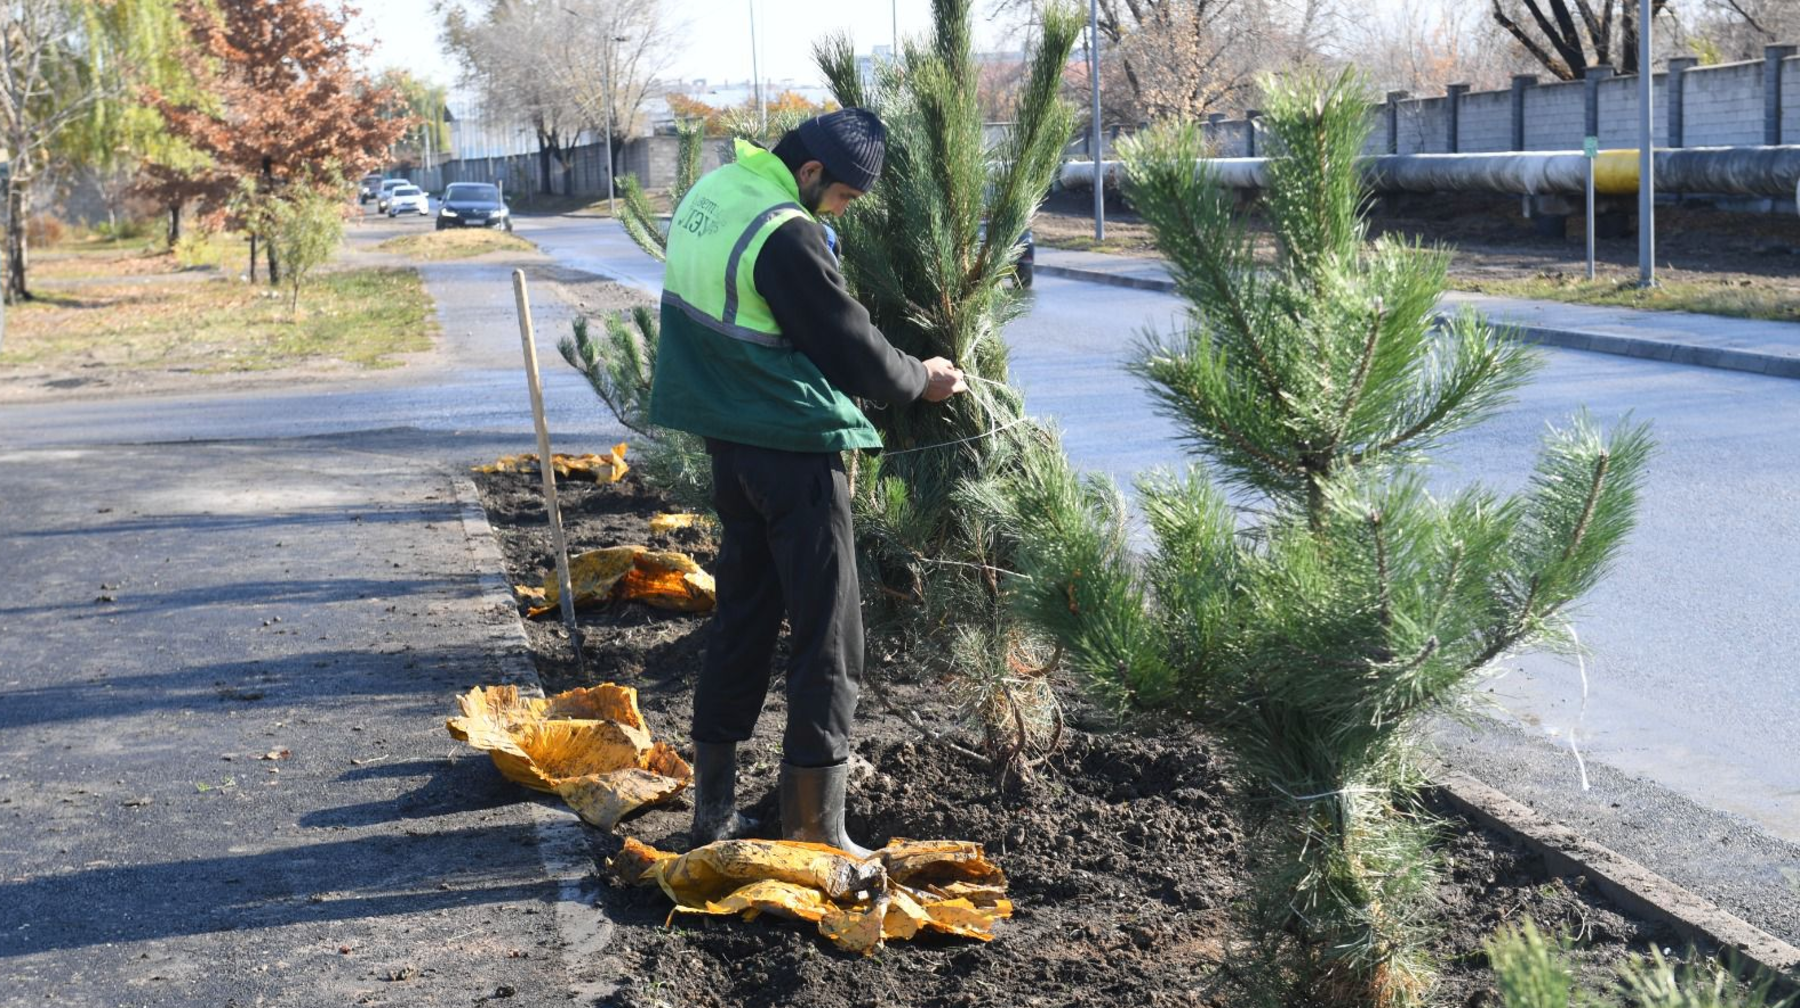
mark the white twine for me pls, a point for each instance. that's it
(990, 432)
(1352, 789)
(1581, 713)
(946, 444)
(985, 567)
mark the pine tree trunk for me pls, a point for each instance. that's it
(15, 242)
(252, 257)
(174, 223)
(274, 267)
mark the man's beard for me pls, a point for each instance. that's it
(814, 194)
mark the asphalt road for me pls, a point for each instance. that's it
(1689, 721)
(234, 625)
(224, 778)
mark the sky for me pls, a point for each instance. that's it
(713, 35)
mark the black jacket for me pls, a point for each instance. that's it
(798, 276)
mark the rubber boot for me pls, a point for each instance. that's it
(812, 806)
(715, 795)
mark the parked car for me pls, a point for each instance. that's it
(473, 204)
(408, 198)
(387, 188)
(370, 188)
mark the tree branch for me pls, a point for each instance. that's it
(1550, 62)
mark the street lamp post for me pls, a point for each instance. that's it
(1646, 155)
(1094, 81)
(762, 112)
(612, 208)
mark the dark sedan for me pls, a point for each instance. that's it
(473, 204)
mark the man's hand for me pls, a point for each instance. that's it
(943, 380)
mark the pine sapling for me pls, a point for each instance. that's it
(619, 368)
(931, 253)
(1305, 594)
(1532, 971)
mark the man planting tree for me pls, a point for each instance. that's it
(761, 349)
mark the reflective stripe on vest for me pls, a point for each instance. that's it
(723, 368)
(715, 236)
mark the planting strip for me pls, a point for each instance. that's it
(1635, 888)
(562, 837)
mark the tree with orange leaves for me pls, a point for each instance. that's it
(288, 105)
(782, 111)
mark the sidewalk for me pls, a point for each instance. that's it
(1771, 348)
(224, 672)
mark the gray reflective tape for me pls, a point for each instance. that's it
(737, 253)
(727, 329)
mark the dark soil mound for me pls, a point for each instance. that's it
(1128, 859)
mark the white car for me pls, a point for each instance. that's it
(404, 198)
(387, 189)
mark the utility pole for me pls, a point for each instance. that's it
(1646, 155)
(1094, 81)
(6, 261)
(762, 113)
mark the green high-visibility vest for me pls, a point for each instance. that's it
(723, 368)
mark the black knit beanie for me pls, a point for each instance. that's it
(851, 143)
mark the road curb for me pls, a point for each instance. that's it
(1635, 888)
(1723, 358)
(562, 837)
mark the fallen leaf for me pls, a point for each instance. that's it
(275, 754)
(661, 578)
(608, 468)
(663, 524)
(591, 746)
(857, 903)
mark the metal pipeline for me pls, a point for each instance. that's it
(1727, 171)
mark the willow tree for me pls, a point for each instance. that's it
(931, 253)
(66, 68)
(1304, 593)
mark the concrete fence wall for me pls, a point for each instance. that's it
(1723, 105)
(582, 171)
(1731, 104)
(1486, 121)
(1728, 105)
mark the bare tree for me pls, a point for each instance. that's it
(621, 45)
(1567, 40)
(1422, 45)
(1728, 30)
(1178, 58)
(547, 64)
(49, 77)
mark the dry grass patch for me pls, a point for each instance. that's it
(362, 317)
(1738, 297)
(456, 244)
(92, 258)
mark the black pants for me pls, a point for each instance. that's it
(787, 549)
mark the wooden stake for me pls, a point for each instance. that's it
(566, 593)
